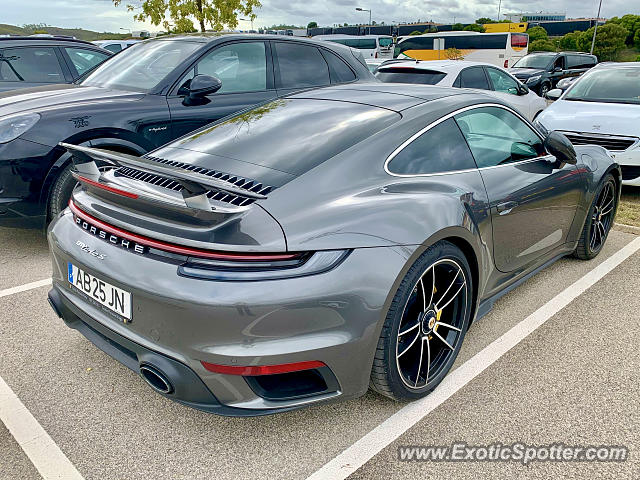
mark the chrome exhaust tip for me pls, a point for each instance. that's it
(156, 379)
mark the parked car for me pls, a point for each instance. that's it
(565, 83)
(115, 46)
(459, 73)
(541, 71)
(45, 60)
(268, 261)
(602, 108)
(143, 97)
(374, 63)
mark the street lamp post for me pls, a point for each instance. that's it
(358, 9)
(595, 29)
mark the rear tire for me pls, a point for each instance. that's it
(61, 192)
(599, 220)
(433, 304)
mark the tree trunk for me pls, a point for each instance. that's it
(201, 16)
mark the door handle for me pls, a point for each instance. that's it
(506, 207)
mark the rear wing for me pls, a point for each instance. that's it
(194, 186)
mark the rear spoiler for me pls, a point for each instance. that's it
(195, 186)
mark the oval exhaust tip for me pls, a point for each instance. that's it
(156, 379)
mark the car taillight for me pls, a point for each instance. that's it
(506, 64)
(519, 40)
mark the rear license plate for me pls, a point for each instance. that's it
(114, 298)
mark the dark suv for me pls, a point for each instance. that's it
(34, 61)
(541, 71)
(145, 96)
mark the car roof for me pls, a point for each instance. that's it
(445, 66)
(44, 39)
(618, 65)
(392, 96)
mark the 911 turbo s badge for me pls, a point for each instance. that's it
(109, 237)
(87, 249)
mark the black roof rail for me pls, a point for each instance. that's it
(64, 38)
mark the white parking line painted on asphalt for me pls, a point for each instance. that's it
(45, 455)
(384, 434)
(25, 287)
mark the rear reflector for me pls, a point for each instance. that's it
(253, 371)
(170, 247)
(506, 64)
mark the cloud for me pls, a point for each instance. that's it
(101, 15)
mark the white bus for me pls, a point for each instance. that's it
(500, 49)
(371, 46)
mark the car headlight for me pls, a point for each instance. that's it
(12, 126)
(533, 79)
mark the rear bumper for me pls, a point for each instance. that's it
(334, 318)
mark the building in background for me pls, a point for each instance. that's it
(535, 17)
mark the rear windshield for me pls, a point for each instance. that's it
(410, 75)
(290, 135)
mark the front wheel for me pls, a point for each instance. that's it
(425, 325)
(544, 89)
(599, 220)
(61, 192)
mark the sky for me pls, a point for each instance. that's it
(101, 15)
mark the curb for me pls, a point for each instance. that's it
(626, 228)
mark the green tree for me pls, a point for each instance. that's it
(216, 13)
(570, 40)
(457, 27)
(416, 32)
(542, 45)
(610, 39)
(474, 27)
(483, 20)
(632, 24)
(312, 25)
(537, 33)
(183, 25)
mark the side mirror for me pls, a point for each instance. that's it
(199, 87)
(554, 94)
(560, 147)
(523, 89)
(557, 69)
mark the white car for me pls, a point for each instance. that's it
(602, 108)
(115, 46)
(464, 74)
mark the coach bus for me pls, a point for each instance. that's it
(501, 49)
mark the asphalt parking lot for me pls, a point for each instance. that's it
(575, 380)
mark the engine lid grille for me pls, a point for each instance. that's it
(214, 195)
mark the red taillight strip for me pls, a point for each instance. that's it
(102, 186)
(252, 371)
(169, 247)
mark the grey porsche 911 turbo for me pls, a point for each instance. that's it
(319, 245)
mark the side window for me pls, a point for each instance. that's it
(474, 77)
(438, 150)
(300, 66)
(339, 71)
(30, 64)
(559, 63)
(84, 59)
(113, 47)
(241, 66)
(496, 136)
(502, 82)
